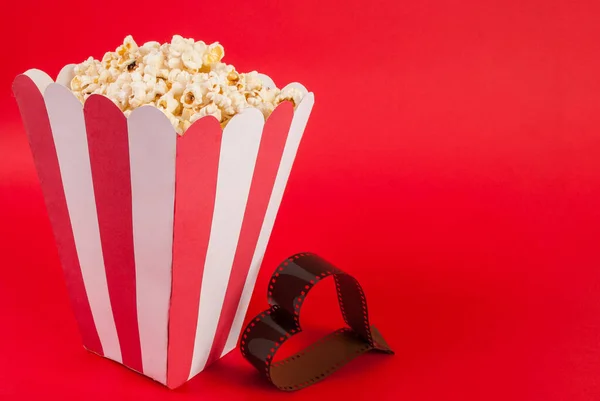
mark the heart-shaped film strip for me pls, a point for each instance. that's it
(288, 287)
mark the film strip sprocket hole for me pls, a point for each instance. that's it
(288, 288)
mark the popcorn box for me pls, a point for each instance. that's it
(160, 236)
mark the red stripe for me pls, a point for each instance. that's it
(37, 125)
(106, 128)
(272, 143)
(195, 191)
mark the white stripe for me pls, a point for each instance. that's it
(39, 78)
(296, 85)
(266, 81)
(68, 129)
(239, 148)
(65, 75)
(152, 142)
(287, 160)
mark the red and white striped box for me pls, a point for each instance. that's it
(160, 237)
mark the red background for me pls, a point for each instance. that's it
(452, 164)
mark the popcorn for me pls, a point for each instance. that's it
(155, 59)
(192, 96)
(292, 94)
(160, 88)
(138, 95)
(192, 60)
(185, 79)
(187, 114)
(168, 103)
(213, 54)
(269, 95)
(210, 110)
(221, 101)
(253, 82)
(150, 47)
(238, 102)
(76, 84)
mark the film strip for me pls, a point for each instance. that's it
(288, 288)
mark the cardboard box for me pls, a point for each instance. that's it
(160, 236)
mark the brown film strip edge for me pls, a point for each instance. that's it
(288, 287)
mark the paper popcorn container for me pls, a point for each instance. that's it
(160, 236)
